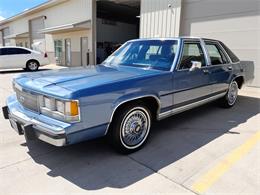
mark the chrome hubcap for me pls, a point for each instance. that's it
(232, 93)
(135, 128)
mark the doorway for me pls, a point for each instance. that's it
(67, 52)
(84, 51)
(116, 23)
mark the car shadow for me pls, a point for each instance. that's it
(93, 165)
(20, 71)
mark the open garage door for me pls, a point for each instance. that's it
(117, 22)
(235, 22)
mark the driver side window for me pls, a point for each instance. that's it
(192, 51)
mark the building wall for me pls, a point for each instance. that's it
(160, 18)
(22, 42)
(71, 11)
(75, 45)
(235, 22)
(1, 38)
(68, 12)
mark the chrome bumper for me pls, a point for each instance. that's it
(33, 129)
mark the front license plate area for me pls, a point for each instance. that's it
(16, 126)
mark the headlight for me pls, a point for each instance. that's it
(49, 103)
(64, 110)
(60, 106)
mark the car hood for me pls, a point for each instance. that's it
(63, 82)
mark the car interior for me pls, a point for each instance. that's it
(192, 52)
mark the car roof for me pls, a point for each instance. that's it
(14, 47)
(17, 47)
(173, 38)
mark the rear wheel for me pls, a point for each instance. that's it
(231, 96)
(130, 128)
(32, 65)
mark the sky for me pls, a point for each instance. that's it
(10, 8)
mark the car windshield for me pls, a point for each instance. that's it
(154, 54)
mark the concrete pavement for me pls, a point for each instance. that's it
(180, 152)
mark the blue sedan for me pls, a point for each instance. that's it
(144, 80)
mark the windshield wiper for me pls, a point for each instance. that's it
(140, 64)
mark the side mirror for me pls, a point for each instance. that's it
(195, 65)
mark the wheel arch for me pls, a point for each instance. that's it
(150, 101)
(240, 81)
(32, 60)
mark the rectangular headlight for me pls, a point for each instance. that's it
(49, 103)
(64, 110)
(60, 106)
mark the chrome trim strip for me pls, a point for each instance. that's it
(206, 53)
(189, 106)
(56, 142)
(176, 59)
(42, 131)
(37, 124)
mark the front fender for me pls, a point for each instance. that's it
(134, 96)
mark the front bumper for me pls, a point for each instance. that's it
(33, 125)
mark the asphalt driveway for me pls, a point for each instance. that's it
(207, 150)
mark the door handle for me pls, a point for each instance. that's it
(206, 71)
(230, 68)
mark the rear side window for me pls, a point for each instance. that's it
(17, 51)
(13, 51)
(232, 56)
(192, 51)
(216, 55)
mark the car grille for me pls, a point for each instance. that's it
(27, 100)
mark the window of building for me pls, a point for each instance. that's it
(58, 51)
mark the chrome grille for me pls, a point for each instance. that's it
(27, 100)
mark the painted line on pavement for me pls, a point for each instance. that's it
(208, 179)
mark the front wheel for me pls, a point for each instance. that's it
(130, 128)
(230, 98)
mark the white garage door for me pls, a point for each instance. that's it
(235, 22)
(38, 39)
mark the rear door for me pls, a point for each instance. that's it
(220, 67)
(191, 86)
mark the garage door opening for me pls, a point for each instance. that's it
(117, 22)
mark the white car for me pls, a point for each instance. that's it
(20, 57)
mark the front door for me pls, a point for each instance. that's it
(191, 85)
(67, 52)
(84, 51)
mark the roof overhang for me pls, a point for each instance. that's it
(67, 28)
(17, 36)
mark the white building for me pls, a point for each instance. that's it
(82, 32)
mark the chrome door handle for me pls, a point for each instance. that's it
(230, 68)
(206, 71)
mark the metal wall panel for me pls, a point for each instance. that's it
(160, 18)
(235, 22)
(1, 38)
(36, 25)
(6, 32)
